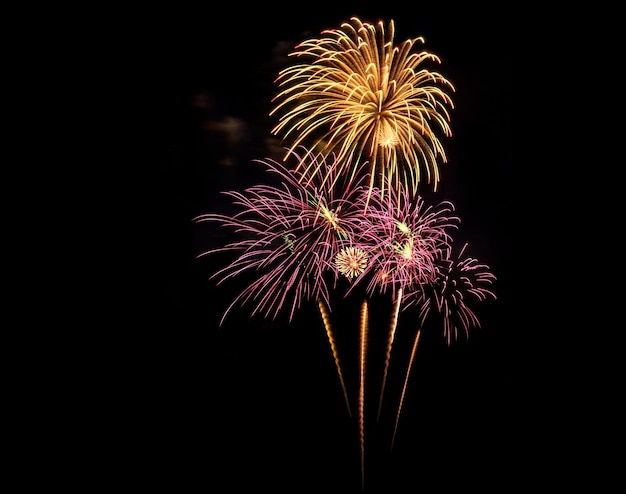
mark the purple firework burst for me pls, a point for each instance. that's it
(403, 238)
(460, 281)
(289, 235)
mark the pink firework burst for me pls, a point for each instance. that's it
(289, 235)
(460, 281)
(403, 238)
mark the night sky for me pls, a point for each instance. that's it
(257, 405)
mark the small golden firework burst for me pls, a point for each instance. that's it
(351, 261)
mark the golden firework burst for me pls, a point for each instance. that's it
(356, 93)
(351, 261)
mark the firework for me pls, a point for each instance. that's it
(363, 342)
(356, 93)
(289, 235)
(461, 280)
(405, 385)
(361, 119)
(333, 347)
(351, 261)
(390, 338)
(404, 238)
(458, 280)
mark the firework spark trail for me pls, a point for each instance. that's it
(363, 360)
(333, 347)
(392, 332)
(406, 380)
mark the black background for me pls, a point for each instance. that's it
(184, 404)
